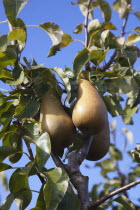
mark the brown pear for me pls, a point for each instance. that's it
(56, 122)
(90, 113)
(100, 144)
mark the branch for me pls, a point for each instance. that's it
(86, 24)
(94, 204)
(79, 181)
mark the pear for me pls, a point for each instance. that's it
(55, 121)
(90, 113)
(100, 144)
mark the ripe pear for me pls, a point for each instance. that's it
(90, 113)
(100, 144)
(56, 122)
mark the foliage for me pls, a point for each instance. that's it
(116, 79)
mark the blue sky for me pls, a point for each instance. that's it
(38, 43)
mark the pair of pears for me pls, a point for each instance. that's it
(89, 116)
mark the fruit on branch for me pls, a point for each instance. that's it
(100, 144)
(90, 113)
(55, 121)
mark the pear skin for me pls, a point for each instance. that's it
(90, 113)
(100, 145)
(55, 121)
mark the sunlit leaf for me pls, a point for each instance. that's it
(43, 150)
(80, 60)
(18, 81)
(127, 118)
(93, 25)
(79, 29)
(137, 29)
(128, 134)
(12, 9)
(122, 7)
(65, 80)
(132, 38)
(53, 31)
(7, 58)
(115, 153)
(4, 181)
(40, 204)
(23, 198)
(97, 56)
(55, 188)
(66, 40)
(84, 9)
(3, 43)
(125, 202)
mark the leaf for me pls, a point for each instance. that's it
(4, 180)
(8, 202)
(132, 38)
(93, 26)
(97, 56)
(43, 150)
(128, 134)
(18, 81)
(113, 105)
(70, 200)
(65, 80)
(84, 9)
(79, 29)
(5, 74)
(3, 43)
(40, 204)
(5, 151)
(127, 118)
(55, 188)
(7, 58)
(27, 107)
(115, 153)
(53, 31)
(137, 29)
(12, 9)
(23, 198)
(122, 7)
(7, 116)
(31, 129)
(80, 60)
(4, 166)
(106, 10)
(66, 40)
(125, 202)
(137, 14)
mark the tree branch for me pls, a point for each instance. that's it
(79, 181)
(95, 204)
(86, 24)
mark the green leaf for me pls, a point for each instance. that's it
(80, 60)
(5, 74)
(7, 116)
(128, 134)
(4, 166)
(137, 14)
(125, 202)
(107, 164)
(27, 107)
(23, 198)
(137, 29)
(127, 118)
(93, 26)
(3, 43)
(79, 29)
(113, 105)
(132, 38)
(122, 7)
(106, 10)
(8, 202)
(65, 80)
(53, 31)
(83, 8)
(12, 9)
(66, 40)
(5, 151)
(5, 107)
(43, 150)
(55, 188)
(18, 81)
(18, 181)
(31, 129)
(115, 153)
(97, 56)
(70, 201)
(7, 58)
(40, 204)
(16, 142)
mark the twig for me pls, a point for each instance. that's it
(95, 204)
(86, 24)
(4, 21)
